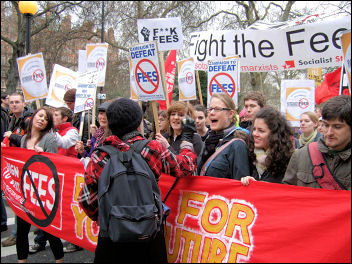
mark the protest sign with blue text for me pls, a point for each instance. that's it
(86, 91)
(166, 31)
(146, 71)
(223, 78)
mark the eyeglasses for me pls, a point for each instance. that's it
(217, 109)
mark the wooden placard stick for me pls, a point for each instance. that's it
(37, 103)
(89, 124)
(142, 127)
(163, 79)
(81, 125)
(199, 89)
(155, 115)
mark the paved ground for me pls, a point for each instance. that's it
(8, 254)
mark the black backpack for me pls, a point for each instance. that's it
(130, 208)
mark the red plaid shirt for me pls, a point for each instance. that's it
(159, 159)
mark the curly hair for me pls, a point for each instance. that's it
(280, 141)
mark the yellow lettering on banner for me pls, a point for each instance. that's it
(206, 248)
(189, 236)
(223, 214)
(78, 187)
(235, 250)
(237, 218)
(215, 257)
(196, 248)
(186, 209)
(172, 257)
(80, 217)
(89, 225)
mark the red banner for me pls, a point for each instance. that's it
(329, 87)
(170, 70)
(211, 219)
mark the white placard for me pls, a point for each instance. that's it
(297, 97)
(223, 78)
(82, 61)
(186, 80)
(62, 79)
(166, 31)
(31, 70)
(86, 91)
(146, 71)
(97, 60)
(297, 47)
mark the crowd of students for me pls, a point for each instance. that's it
(256, 145)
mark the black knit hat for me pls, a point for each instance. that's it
(124, 116)
(103, 107)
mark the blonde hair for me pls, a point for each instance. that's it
(227, 100)
(312, 116)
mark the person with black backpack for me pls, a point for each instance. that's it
(120, 187)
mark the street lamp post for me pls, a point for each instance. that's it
(28, 9)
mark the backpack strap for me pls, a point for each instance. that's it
(217, 152)
(321, 171)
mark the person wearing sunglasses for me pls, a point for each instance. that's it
(223, 157)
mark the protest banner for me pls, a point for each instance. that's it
(170, 71)
(296, 47)
(62, 79)
(346, 48)
(166, 31)
(86, 90)
(297, 97)
(31, 70)
(223, 77)
(211, 219)
(82, 61)
(97, 59)
(186, 80)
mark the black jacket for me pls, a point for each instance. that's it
(5, 119)
(18, 127)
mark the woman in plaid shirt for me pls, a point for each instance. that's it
(124, 117)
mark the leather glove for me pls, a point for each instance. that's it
(188, 129)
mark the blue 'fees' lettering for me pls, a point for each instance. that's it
(227, 87)
(152, 75)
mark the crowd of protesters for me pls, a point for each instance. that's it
(256, 145)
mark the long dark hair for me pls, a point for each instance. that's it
(280, 141)
(49, 127)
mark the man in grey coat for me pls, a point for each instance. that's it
(335, 147)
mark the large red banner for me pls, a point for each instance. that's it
(211, 219)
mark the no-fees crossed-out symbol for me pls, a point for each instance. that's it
(89, 104)
(303, 103)
(189, 78)
(100, 64)
(25, 171)
(232, 81)
(38, 75)
(154, 85)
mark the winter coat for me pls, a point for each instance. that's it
(232, 162)
(5, 119)
(18, 127)
(299, 169)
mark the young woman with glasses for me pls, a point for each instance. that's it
(231, 161)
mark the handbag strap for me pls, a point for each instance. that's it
(217, 152)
